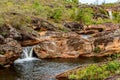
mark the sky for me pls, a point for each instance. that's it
(99, 1)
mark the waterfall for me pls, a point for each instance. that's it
(27, 52)
(110, 14)
(27, 55)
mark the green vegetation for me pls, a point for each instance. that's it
(84, 15)
(95, 72)
(97, 49)
(2, 53)
(115, 56)
(56, 11)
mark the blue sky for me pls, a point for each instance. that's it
(100, 1)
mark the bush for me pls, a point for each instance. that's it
(117, 16)
(85, 15)
(56, 14)
(97, 49)
(113, 66)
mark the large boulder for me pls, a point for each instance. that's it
(62, 45)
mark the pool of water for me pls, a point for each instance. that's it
(45, 69)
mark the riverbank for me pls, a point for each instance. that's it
(99, 71)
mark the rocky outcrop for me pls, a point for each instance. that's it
(63, 45)
(105, 44)
(42, 25)
(9, 51)
(73, 45)
(73, 26)
(11, 40)
(93, 29)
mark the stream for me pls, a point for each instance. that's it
(45, 69)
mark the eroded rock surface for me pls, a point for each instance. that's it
(11, 40)
(72, 45)
(63, 45)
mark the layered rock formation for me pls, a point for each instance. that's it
(73, 45)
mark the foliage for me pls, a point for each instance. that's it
(84, 15)
(56, 14)
(115, 56)
(2, 53)
(117, 16)
(97, 49)
(53, 10)
(94, 71)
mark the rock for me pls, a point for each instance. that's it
(1, 39)
(74, 26)
(61, 45)
(10, 51)
(105, 44)
(12, 38)
(42, 25)
(114, 77)
(103, 27)
(95, 29)
(2, 59)
(68, 6)
(100, 15)
(88, 32)
(8, 31)
(72, 45)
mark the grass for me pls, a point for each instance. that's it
(97, 72)
(55, 11)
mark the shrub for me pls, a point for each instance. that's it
(117, 16)
(56, 14)
(85, 15)
(113, 66)
(97, 49)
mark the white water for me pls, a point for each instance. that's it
(110, 14)
(27, 55)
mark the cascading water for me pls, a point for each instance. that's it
(27, 52)
(27, 55)
(110, 14)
